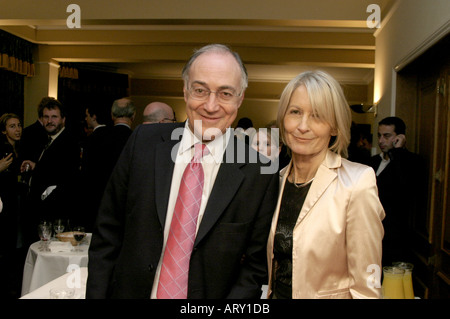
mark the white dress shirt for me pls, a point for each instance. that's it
(383, 164)
(211, 164)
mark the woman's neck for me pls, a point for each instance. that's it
(304, 168)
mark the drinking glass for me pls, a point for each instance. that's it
(58, 226)
(62, 293)
(78, 234)
(392, 286)
(407, 278)
(45, 234)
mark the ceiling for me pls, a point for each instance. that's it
(151, 40)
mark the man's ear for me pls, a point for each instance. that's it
(185, 94)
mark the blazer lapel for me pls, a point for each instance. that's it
(164, 166)
(227, 182)
(324, 176)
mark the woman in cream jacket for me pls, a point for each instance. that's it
(326, 234)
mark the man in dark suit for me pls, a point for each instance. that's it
(123, 113)
(135, 224)
(54, 179)
(94, 172)
(402, 188)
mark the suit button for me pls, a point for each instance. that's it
(150, 267)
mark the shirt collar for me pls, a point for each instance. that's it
(53, 137)
(98, 126)
(216, 147)
(382, 158)
(124, 124)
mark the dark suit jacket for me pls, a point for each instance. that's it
(228, 259)
(95, 173)
(402, 188)
(34, 138)
(58, 166)
(118, 137)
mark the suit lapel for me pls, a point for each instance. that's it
(164, 166)
(323, 179)
(324, 176)
(227, 183)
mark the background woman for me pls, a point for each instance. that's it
(326, 234)
(10, 192)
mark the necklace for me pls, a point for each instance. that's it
(300, 185)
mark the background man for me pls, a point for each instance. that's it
(94, 172)
(158, 112)
(54, 180)
(401, 181)
(225, 253)
(123, 113)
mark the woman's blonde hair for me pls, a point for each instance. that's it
(327, 100)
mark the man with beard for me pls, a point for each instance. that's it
(55, 174)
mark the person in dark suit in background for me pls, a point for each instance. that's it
(34, 136)
(123, 113)
(94, 172)
(402, 188)
(54, 179)
(226, 257)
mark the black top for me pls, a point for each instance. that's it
(291, 204)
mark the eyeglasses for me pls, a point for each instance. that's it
(200, 93)
(170, 120)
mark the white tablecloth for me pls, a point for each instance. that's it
(42, 267)
(75, 279)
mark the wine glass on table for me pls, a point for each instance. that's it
(78, 234)
(58, 226)
(45, 234)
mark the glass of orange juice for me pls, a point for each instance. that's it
(407, 278)
(392, 287)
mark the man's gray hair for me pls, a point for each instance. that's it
(123, 108)
(218, 48)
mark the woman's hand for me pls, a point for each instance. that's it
(5, 162)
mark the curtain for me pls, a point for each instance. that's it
(16, 62)
(11, 93)
(16, 54)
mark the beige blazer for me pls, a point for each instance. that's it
(337, 238)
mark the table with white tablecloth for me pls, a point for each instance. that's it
(75, 279)
(42, 267)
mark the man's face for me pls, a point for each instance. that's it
(386, 137)
(213, 72)
(90, 121)
(52, 121)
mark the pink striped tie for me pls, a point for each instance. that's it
(173, 279)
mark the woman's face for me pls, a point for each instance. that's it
(13, 130)
(305, 133)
